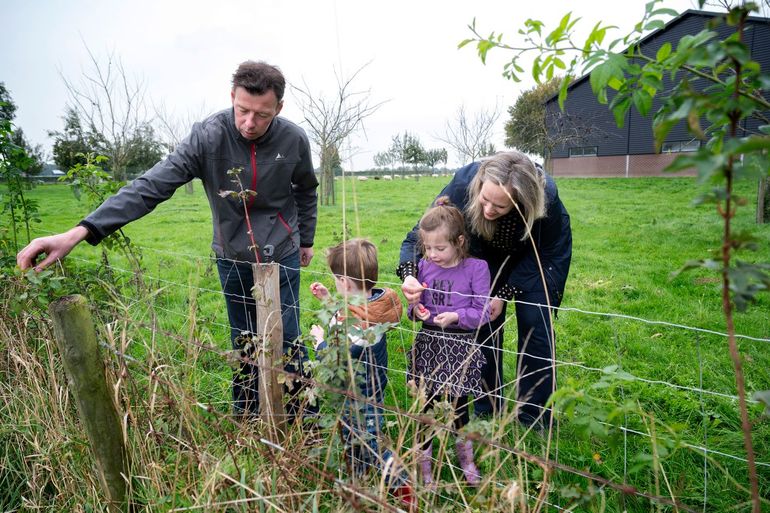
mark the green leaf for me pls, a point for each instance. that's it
(563, 90)
(464, 42)
(664, 11)
(615, 83)
(663, 52)
(620, 108)
(750, 144)
(654, 25)
(642, 101)
(599, 77)
(737, 50)
(708, 165)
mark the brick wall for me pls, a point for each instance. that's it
(615, 166)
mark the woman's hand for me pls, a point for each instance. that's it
(412, 289)
(495, 308)
(319, 290)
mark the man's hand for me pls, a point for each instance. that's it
(495, 308)
(445, 319)
(305, 256)
(55, 248)
(319, 290)
(412, 289)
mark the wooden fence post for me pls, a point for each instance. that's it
(763, 201)
(76, 338)
(269, 331)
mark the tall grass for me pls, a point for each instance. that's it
(644, 404)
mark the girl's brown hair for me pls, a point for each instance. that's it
(444, 215)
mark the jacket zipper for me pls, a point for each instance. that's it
(285, 224)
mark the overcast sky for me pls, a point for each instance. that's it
(186, 52)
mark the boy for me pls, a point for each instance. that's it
(354, 265)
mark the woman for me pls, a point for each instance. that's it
(518, 225)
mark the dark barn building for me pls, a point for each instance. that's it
(591, 144)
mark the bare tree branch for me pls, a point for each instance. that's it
(332, 120)
(470, 137)
(172, 128)
(112, 106)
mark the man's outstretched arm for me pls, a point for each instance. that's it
(55, 247)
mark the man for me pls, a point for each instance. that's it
(274, 158)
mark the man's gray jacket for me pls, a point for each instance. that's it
(278, 166)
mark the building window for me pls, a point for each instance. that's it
(583, 151)
(679, 146)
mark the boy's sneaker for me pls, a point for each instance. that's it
(405, 494)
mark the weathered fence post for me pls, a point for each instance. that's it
(76, 338)
(269, 331)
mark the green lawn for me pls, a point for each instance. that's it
(619, 309)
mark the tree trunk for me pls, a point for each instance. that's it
(763, 206)
(548, 164)
(188, 187)
(327, 176)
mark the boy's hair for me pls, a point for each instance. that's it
(443, 214)
(355, 259)
(259, 77)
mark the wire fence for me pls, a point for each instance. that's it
(694, 436)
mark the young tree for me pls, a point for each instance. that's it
(15, 161)
(433, 157)
(35, 154)
(112, 114)
(534, 128)
(526, 128)
(7, 105)
(470, 135)
(628, 77)
(173, 128)
(406, 149)
(72, 143)
(331, 120)
(383, 159)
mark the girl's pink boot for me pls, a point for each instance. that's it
(426, 459)
(465, 456)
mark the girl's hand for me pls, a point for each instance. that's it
(495, 308)
(317, 332)
(421, 312)
(445, 319)
(412, 289)
(319, 290)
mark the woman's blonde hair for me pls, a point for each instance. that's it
(444, 215)
(516, 172)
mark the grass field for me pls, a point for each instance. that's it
(674, 398)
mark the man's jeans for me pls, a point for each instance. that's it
(237, 281)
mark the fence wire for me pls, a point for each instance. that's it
(403, 336)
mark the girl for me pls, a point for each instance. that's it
(444, 358)
(518, 224)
